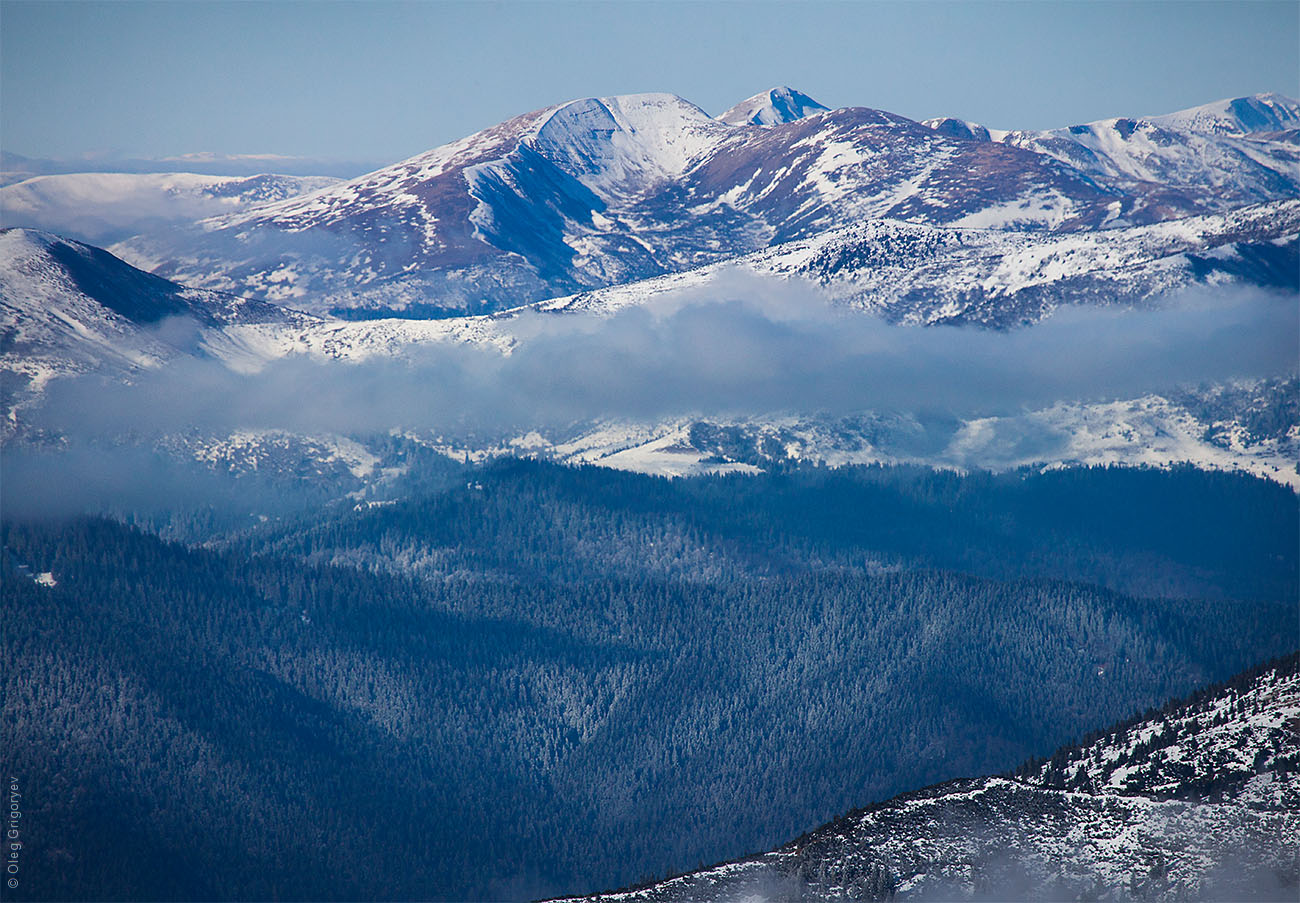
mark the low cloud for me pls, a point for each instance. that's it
(750, 352)
(743, 347)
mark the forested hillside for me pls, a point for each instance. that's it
(1177, 532)
(1197, 801)
(549, 680)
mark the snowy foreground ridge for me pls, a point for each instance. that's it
(1201, 801)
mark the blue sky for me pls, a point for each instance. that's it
(381, 81)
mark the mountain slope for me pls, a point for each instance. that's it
(1259, 113)
(527, 657)
(1199, 801)
(1223, 154)
(602, 191)
(924, 274)
(67, 307)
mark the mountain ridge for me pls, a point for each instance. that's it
(1225, 759)
(1238, 150)
(603, 191)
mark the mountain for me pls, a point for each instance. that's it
(924, 274)
(67, 308)
(905, 272)
(1259, 113)
(104, 207)
(1223, 154)
(771, 108)
(1198, 801)
(603, 191)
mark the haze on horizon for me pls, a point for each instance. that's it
(383, 81)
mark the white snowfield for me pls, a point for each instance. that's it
(1260, 113)
(1199, 803)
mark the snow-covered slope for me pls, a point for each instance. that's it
(1220, 155)
(68, 308)
(1237, 116)
(1199, 801)
(906, 272)
(924, 274)
(602, 191)
(781, 104)
(1228, 427)
(104, 207)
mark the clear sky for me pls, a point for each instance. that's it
(380, 81)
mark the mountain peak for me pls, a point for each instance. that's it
(959, 128)
(1269, 112)
(780, 104)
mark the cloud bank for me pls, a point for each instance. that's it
(753, 351)
(743, 347)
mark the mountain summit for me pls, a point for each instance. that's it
(1258, 113)
(781, 104)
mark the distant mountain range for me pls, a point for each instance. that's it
(16, 167)
(70, 309)
(603, 204)
(104, 207)
(603, 191)
(393, 666)
(1200, 800)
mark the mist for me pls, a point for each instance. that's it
(751, 351)
(741, 346)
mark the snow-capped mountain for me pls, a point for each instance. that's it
(104, 207)
(778, 105)
(602, 191)
(1259, 113)
(1222, 154)
(68, 308)
(1198, 801)
(906, 272)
